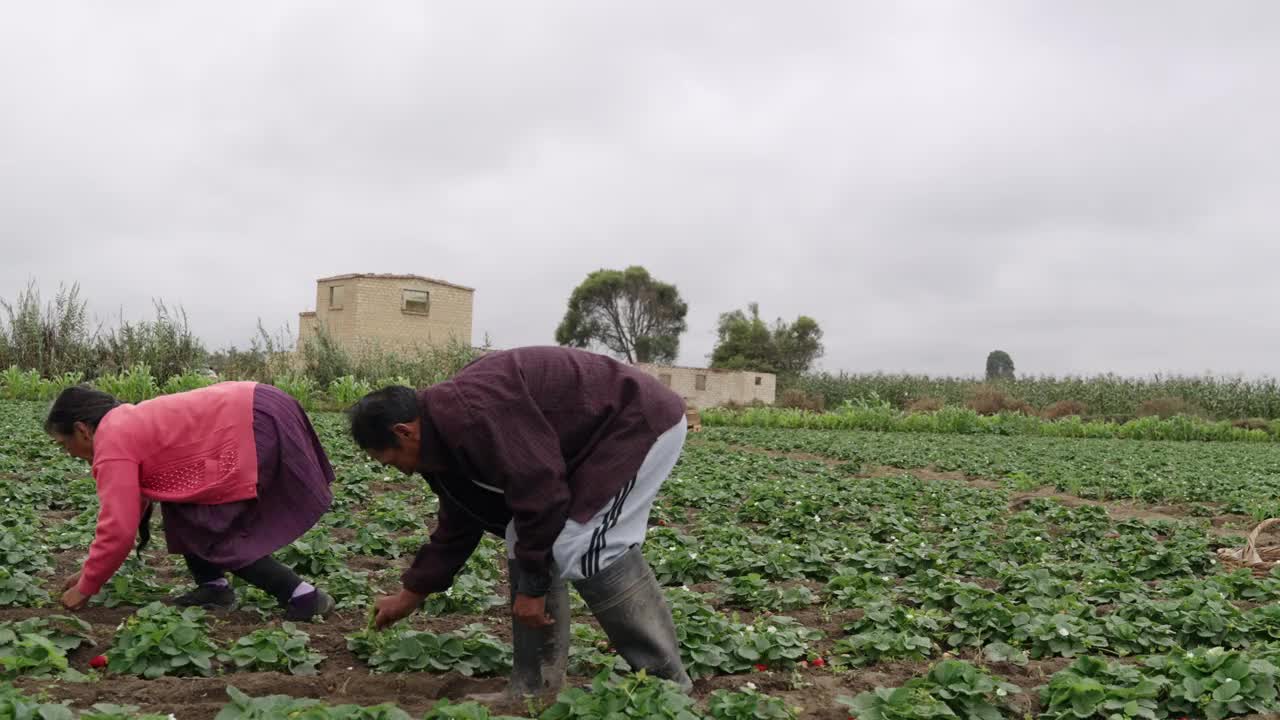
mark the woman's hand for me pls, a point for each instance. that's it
(71, 582)
(73, 600)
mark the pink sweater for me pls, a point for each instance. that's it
(191, 447)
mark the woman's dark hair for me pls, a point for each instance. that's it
(79, 403)
(374, 414)
(82, 403)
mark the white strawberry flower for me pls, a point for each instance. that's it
(1064, 632)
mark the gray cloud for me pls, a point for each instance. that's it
(1089, 186)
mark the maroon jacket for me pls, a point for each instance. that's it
(535, 435)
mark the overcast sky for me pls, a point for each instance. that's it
(1091, 186)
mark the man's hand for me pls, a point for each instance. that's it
(73, 600)
(394, 608)
(531, 611)
(71, 582)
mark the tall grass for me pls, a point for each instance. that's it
(56, 338)
(328, 362)
(1222, 397)
(165, 344)
(50, 339)
(269, 355)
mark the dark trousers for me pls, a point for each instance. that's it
(267, 574)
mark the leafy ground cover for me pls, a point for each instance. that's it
(812, 574)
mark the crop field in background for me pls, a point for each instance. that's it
(812, 573)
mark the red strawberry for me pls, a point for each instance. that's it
(761, 668)
(819, 662)
(98, 662)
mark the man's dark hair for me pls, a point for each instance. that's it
(374, 414)
(79, 403)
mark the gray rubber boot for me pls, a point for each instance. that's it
(541, 654)
(628, 603)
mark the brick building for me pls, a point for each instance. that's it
(704, 387)
(389, 312)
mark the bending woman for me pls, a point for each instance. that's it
(237, 469)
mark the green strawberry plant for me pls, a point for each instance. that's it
(448, 710)
(1056, 635)
(589, 652)
(969, 691)
(32, 655)
(469, 594)
(980, 617)
(314, 554)
(160, 640)
(254, 599)
(753, 592)
(632, 696)
(747, 703)
(18, 589)
(134, 584)
(282, 649)
(1092, 689)
(775, 642)
(350, 589)
(952, 689)
(1139, 636)
(470, 650)
(76, 533)
(283, 707)
(38, 647)
(852, 589)
(66, 632)
(1217, 683)
(675, 559)
(888, 631)
(20, 550)
(712, 643)
(109, 711)
(374, 540)
(19, 706)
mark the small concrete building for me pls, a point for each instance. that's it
(388, 312)
(705, 387)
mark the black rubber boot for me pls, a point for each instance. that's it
(539, 655)
(628, 602)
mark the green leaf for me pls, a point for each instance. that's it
(1227, 690)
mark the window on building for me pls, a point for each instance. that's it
(665, 379)
(700, 382)
(335, 297)
(758, 378)
(416, 302)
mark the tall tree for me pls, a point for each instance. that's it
(629, 312)
(745, 342)
(797, 344)
(999, 366)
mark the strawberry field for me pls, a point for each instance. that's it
(825, 574)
